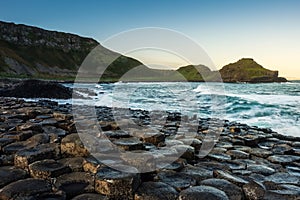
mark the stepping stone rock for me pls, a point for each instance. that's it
(16, 146)
(283, 178)
(90, 196)
(202, 193)
(129, 144)
(44, 151)
(53, 130)
(198, 173)
(116, 184)
(47, 169)
(24, 189)
(75, 164)
(155, 191)
(237, 154)
(231, 178)
(283, 159)
(18, 135)
(232, 191)
(254, 190)
(221, 157)
(10, 174)
(37, 128)
(187, 152)
(153, 138)
(4, 142)
(72, 145)
(261, 169)
(39, 139)
(179, 181)
(260, 152)
(75, 183)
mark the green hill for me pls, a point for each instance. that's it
(247, 70)
(32, 52)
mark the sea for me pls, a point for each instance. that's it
(267, 105)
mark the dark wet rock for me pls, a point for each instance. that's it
(293, 170)
(179, 181)
(286, 194)
(90, 196)
(75, 164)
(15, 147)
(192, 142)
(39, 139)
(117, 134)
(254, 190)
(10, 174)
(232, 191)
(260, 152)
(235, 165)
(37, 89)
(129, 144)
(72, 145)
(241, 172)
(187, 152)
(18, 135)
(232, 178)
(34, 127)
(61, 116)
(75, 183)
(255, 177)
(283, 178)
(198, 173)
(47, 169)
(261, 169)
(177, 165)
(237, 154)
(116, 184)
(283, 159)
(155, 191)
(153, 138)
(23, 189)
(221, 157)
(5, 141)
(59, 195)
(282, 149)
(143, 160)
(202, 193)
(44, 151)
(212, 165)
(54, 130)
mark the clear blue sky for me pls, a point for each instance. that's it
(266, 30)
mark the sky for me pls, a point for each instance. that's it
(266, 30)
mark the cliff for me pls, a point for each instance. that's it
(27, 51)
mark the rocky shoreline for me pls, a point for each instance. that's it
(42, 157)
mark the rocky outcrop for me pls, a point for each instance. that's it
(244, 70)
(247, 70)
(36, 89)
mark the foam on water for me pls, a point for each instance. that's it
(273, 105)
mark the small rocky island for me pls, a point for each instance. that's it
(42, 157)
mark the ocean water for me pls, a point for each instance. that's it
(272, 105)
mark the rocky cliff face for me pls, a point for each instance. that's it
(32, 52)
(23, 35)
